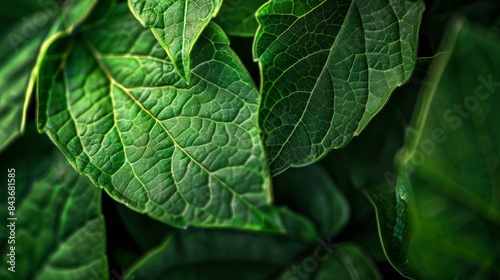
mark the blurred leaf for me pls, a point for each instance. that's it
(25, 26)
(311, 192)
(147, 233)
(237, 17)
(439, 12)
(59, 231)
(449, 166)
(348, 262)
(393, 225)
(328, 67)
(339, 262)
(217, 254)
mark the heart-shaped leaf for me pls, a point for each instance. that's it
(183, 154)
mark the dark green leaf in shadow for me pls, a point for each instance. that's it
(25, 28)
(349, 262)
(393, 225)
(311, 192)
(146, 232)
(59, 231)
(438, 13)
(328, 67)
(217, 254)
(449, 166)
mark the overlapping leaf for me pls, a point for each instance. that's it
(177, 24)
(26, 25)
(449, 167)
(328, 67)
(183, 154)
(367, 165)
(59, 231)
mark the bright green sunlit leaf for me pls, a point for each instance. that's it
(183, 154)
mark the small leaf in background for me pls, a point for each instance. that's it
(328, 67)
(217, 254)
(183, 154)
(311, 192)
(177, 24)
(59, 231)
(221, 254)
(349, 262)
(237, 17)
(449, 166)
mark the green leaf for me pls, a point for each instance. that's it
(18, 52)
(60, 230)
(348, 262)
(183, 154)
(177, 24)
(204, 254)
(208, 254)
(237, 17)
(28, 26)
(449, 167)
(328, 67)
(345, 261)
(392, 208)
(76, 11)
(438, 13)
(365, 165)
(311, 192)
(369, 168)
